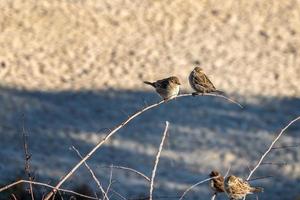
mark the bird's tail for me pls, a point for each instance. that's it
(219, 92)
(149, 83)
(257, 189)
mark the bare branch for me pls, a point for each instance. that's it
(110, 181)
(228, 170)
(14, 197)
(286, 147)
(45, 185)
(258, 178)
(195, 185)
(224, 97)
(274, 163)
(93, 174)
(118, 194)
(111, 133)
(132, 170)
(270, 147)
(157, 160)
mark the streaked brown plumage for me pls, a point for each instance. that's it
(237, 188)
(217, 183)
(167, 88)
(200, 82)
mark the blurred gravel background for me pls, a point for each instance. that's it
(76, 67)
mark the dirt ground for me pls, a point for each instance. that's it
(76, 67)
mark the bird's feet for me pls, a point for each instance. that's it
(195, 94)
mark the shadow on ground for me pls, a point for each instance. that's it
(205, 133)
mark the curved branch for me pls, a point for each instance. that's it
(224, 97)
(196, 184)
(132, 170)
(112, 132)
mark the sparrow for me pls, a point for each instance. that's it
(200, 82)
(237, 188)
(217, 182)
(167, 88)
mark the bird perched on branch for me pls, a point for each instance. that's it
(237, 188)
(217, 182)
(167, 88)
(200, 82)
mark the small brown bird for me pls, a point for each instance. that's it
(217, 183)
(167, 88)
(237, 188)
(200, 82)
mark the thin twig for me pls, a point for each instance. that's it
(111, 133)
(258, 178)
(273, 163)
(27, 157)
(224, 97)
(228, 170)
(45, 185)
(286, 147)
(132, 170)
(271, 146)
(110, 181)
(60, 195)
(14, 196)
(118, 194)
(157, 160)
(196, 184)
(93, 174)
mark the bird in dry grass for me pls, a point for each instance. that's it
(167, 88)
(237, 188)
(217, 182)
(200, 82)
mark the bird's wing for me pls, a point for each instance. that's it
(219, 184)
(203, 80)
(163, 83)
(244, 185)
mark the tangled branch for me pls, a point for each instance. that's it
(45, 185)
(111, 133)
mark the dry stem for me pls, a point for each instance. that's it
(157, 160)
(110, 180)
(45, 185)
(111, 133)
(132, 170)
